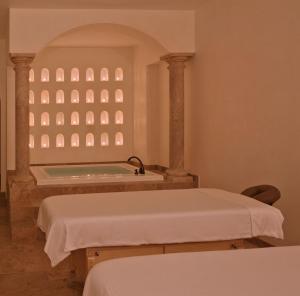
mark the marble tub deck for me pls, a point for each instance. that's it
(25, 269)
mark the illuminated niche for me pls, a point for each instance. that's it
(119, 117)
(31, 141)
(60, 141)
(45, 97)
(45, 121)
(89, 74)
(104, 75)
(104, 118)
(60, 96)
(31, 119)
(89, 140)
(104, 96)
(31, 97)
(119, 74)
(119, 139)
(119, 96)
(31, 75)
(75, 118)
(60, 118)
(89, 118)
(45, 141)
(89, 96)
(75, 140)
(60, 75)
(45, 76)
(75, 74)
(75, 96)
(104, 139)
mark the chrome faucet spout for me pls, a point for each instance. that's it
(141, 168)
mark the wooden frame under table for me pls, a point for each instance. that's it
(85, 259)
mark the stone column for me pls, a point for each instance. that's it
(176, 67)
(22, 66)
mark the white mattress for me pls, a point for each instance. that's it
(152, 217)
(259, 272)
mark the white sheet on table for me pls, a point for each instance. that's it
(259, 272)
(152, 217)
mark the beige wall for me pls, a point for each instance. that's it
(246, 123)
(32, 29)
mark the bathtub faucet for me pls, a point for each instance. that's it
(141, 169)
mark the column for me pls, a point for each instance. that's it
(176, 67)
(22, 66)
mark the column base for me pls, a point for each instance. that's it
(23, 178)
(176, 172)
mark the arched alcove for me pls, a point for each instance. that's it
(89, 96)
(75, 140)
(104, 96)
(45, 97)
(60, 118)
(31, 97)
(75, 96)
(60, 75)
(107, 91)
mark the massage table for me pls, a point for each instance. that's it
(101, 226)
(259, 272)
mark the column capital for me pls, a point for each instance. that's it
(177, 57)
(22, 58)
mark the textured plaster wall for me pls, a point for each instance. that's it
(246, 123)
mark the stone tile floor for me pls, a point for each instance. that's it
(25, 269)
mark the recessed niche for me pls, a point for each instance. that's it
(104, 117)
(31, 141)
(45, 141)
(104, 74)
(89, 118)
(89, 74)
(75, 140)
(45, 77)
(75, 96)
(60, 141)
(31, 97)
(75, 74)
(45, 121)
(119, 117)
(60, 75)
(31, 75)
(75, 118)
(60, 118)
(119, 139)
(45, 97)
(31, 119)
(89, 140)
(104, 139)
(104, 96)
(119, 74)
(60, 97)
(119, 96)
(89, 96)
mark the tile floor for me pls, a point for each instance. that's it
(25, 269)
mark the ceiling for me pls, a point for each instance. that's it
(113, 4)
(92, 4)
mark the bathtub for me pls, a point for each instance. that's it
(90, 173)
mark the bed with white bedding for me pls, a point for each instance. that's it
(259, 272)
(79, 221)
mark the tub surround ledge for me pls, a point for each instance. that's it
(25, 197)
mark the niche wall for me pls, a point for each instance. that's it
(81, 105)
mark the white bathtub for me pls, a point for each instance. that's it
(90, 173)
